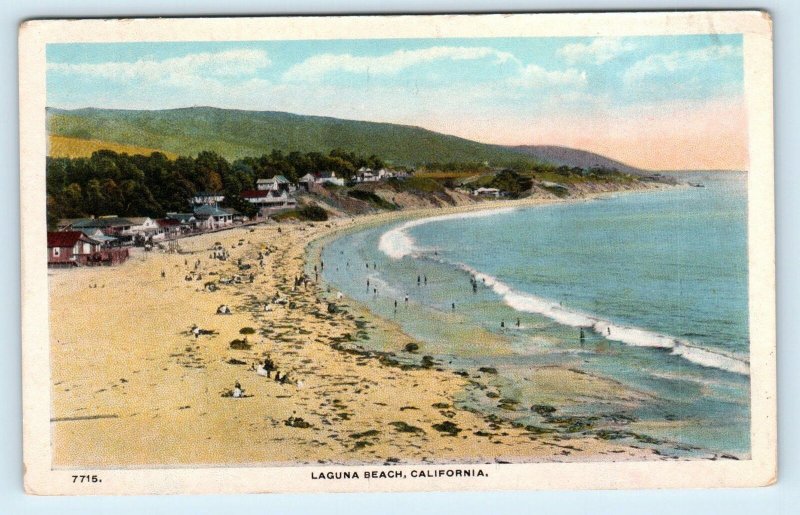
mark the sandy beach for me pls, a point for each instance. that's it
(131, 386)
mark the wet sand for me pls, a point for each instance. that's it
(132, 387)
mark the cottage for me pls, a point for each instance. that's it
(306, 181)
(269, 201)
(97, 235)
(213, 217)
(278, 183)
(69, 248)
(143, 226)
(187, 221)
(112, 225)
(207, 198)
(487, 192)
(330, 178)
(168, 228)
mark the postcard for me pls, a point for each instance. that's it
(397, 253)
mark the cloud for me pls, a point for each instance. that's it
(679, 62)
(224, 64)
(534, 76)
(599, 51)
(389, 64)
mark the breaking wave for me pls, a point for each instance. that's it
(633, 336)
(397, 243)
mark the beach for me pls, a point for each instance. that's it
(131, 386)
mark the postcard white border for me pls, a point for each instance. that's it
(756, 28)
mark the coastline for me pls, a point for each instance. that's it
(129, 372)
(551, 379)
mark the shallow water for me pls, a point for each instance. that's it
(657, 282)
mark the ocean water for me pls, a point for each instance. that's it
(655, 281)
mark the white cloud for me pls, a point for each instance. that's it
(599, 51)
(533, 76)
(228, 63)
(679, 61)
(389, 64)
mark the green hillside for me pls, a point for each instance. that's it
(235, 134)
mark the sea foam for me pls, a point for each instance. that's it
(633, 336)
(397, 243)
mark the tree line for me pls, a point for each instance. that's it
(138, 185)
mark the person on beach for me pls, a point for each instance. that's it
(609, 330)
(453, 306)
(425, 279)
(238, 392)
(375, 291)
(582, 336)
(518, 322)
(419, 279)
(502, 324)
(406, 300)
(163, 274)
(395, 304)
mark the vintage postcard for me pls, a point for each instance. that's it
(398, 253)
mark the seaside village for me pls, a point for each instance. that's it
(106, 240)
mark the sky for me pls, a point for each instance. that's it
(657, 102)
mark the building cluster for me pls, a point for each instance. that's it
(365, 174)
(105, 239)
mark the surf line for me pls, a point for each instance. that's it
(397, 244)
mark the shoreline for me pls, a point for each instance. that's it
(130, 373)
(385, 325)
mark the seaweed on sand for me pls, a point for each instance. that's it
(402, 427)
(447, 427)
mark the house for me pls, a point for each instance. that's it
(115, 226)
(367, 176)
(97, 235)
(69, 248)
(269, 201)
(187, 222)
(330, 178)
(306, 181)
(206, 197)
(168, 228)
(213, 217)
(278, 183)
(143, 226)
(487, 192)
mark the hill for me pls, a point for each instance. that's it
(573, 157)
(234, 134)
(62, 146)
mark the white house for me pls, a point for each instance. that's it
(269, 200)
(206, 198)
(277, 183)
(487, 192)
(306, 181)
(213, 217)
(144, 226)
(330, 178)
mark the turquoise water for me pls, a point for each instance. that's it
(656, 281)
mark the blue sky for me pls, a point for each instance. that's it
(511, 91)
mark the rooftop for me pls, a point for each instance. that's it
(66, 238)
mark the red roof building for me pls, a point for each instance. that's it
(67, 247)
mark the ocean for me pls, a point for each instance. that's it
(646, 291)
